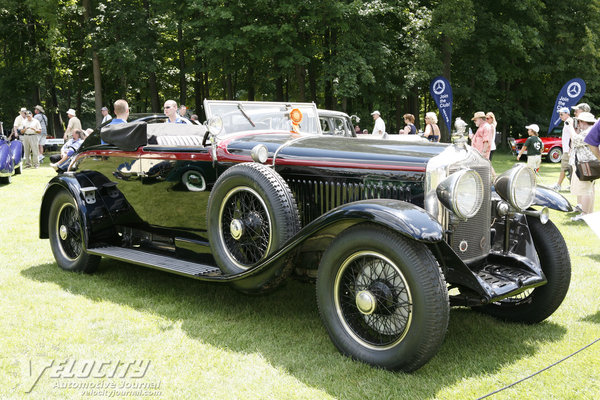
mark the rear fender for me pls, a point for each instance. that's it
(76, 185)
(16, 149)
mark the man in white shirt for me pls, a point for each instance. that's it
(379, 128)
(105, 115)
(17, 124)
(567, 133)
(30, 129)
(74, 123)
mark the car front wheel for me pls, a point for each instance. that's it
(66, 236)
(382, 298)
(535, 305)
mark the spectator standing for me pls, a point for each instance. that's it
(593, 139)
(409, 128)
(533, 146)
(30, 129)
(490, 118)
(580, 152)
(17, 124)
(194, 117)
(483, 136)
(567, 133)
(105, 115)
(365, 132)
(41, 117)
(170, 108)
(578, 109)
(379, 127)
(357, 130)
(432, 130)
(74, 123)
(183, 111)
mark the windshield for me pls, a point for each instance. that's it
(241, 116)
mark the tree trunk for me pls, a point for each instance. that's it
(312, 79)
(153, 89)
(301, 82)
(87, 14)
(279, 89)
(182, 81)
(250, 83)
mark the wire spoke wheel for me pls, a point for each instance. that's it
(373, 299)
(245, 226)
(69, 231)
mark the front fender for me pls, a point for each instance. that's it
(551, 199)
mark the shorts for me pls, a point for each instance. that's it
(581, 188)
(564, 163)
(42, 139)
(534, 162)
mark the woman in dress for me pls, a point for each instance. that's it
(432, 130)
(409, 128)
(490, 118)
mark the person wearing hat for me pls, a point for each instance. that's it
(379, 128)
(579, 108)
(105, 115)
(482, 139)
(567, 132)
(580, 152)
(74, 123)
(41, 117)
(533, 146)
(30, 129)
(17, 124)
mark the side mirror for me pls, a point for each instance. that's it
(214, 125)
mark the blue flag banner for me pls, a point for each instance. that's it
(441, 91)
(569, 95)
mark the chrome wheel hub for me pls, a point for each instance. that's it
(63, 232)
(366, 302)
(236, 229)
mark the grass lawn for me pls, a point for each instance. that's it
(201, 341)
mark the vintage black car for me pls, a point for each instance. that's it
(394, 232)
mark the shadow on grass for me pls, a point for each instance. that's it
(594, 257)
(595, 318)
(284, 327)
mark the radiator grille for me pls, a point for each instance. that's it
(316, 197)
(475, 232)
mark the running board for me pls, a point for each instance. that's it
(157, 261)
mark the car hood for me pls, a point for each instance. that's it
(288, 149)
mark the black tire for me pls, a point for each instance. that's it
(382, 298)
(18, 169)
(251, 214)
(535, 305)
(5, 180)
(66, 236)
(554, 155)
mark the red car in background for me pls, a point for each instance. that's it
(552, 145)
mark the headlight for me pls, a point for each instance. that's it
(462, 193)
(517, 186)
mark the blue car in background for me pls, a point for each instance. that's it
(11, 154)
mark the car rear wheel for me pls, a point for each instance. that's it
(555, 155)
(66, 236)
(251, 214)
(382, 298)
(535, 305)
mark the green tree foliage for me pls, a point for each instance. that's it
(508, 57)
